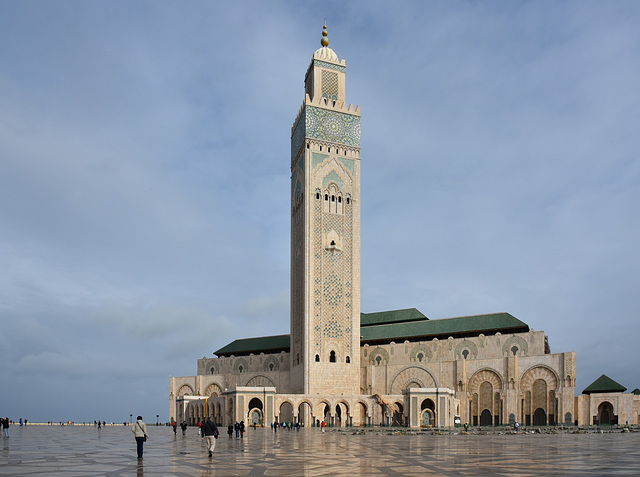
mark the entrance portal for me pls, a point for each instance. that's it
(485, 418)
(539, 417)
(427, 418)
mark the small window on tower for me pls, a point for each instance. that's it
(326, 197)
(348, 200)
(329, 149)
(348, 360)
(317, 358)
(339, 199)
(333, 198)
(332, 357)
(317, 195)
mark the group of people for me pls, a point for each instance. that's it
(287, 426)
(183, 426)
(207, 430)
(238, 427)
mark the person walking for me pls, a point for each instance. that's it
(5, 426)
(183, 426)
(230, 430)
(236, 426)
(241, 429)
(322, 426)
(139, 430)
(210, 432)
(175, 428)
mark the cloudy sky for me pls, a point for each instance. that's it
(144, 180)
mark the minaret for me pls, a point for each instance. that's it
(325, 233)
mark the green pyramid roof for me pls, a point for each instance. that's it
(604, 384)
(636, 391)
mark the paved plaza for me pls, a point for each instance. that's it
(86, 451)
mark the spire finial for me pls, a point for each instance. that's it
(325, 38)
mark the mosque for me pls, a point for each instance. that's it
(349, 368)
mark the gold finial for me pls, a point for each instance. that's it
(325, 39)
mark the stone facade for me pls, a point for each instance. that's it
(483, 380)
(328, 371)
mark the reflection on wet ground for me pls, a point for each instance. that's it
(87, 451)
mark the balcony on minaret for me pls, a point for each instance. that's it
(332, 242)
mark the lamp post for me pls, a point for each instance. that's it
(157, 417)
(130, 417)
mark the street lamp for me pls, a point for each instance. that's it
(157, 417)
(130, 417)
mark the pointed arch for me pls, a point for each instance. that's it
(213, 390)
(260, 381)
(412, 374)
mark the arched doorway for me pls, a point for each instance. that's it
(427, 416)
(539, 417)
(255, 418)
(286, 412)
(326, 414)
(360, 414)
(304, 414)
(398, 415)
(255, 412)
(485, 418)
(605, 414)
(338, 415)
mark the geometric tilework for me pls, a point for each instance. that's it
(317, 158)
(325, 125)
(333, 177)
(331, 126)
(350, 164)
(331, 66)
(329, 84)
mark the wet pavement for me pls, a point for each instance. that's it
(87, 451)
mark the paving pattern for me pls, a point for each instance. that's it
(85, 451)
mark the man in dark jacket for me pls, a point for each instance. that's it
(210, 432)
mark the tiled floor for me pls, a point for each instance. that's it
(85, 451)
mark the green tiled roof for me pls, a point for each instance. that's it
(264, 344)
(398, 325)
(636, 391)
(462, 326)
(394, 316)
(604, 384)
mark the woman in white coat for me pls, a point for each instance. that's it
(140, 432)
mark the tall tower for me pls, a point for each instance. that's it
(325, 233)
